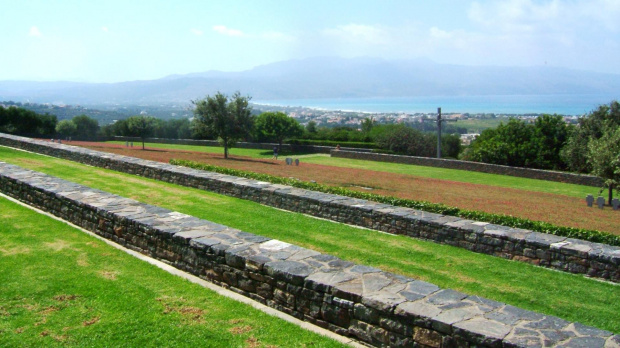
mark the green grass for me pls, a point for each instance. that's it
(61, 287)
(476, 125)
(570, 190)
(571, 297)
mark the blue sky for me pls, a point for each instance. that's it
(110, 41)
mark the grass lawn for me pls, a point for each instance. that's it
(62, 287)
(571, 297)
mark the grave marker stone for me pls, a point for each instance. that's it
(297, 162)
(600, 201)
(615, 203)
(289, 161)
(589, 200)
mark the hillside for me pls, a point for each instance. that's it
(324, 78)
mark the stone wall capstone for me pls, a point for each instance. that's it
(365, 303)
(561, 253)
(529, 173)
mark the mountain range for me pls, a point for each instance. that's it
(324, 78)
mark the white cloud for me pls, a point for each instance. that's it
(227, 31)
(105, 29)
(358, 33)
(277, 36)
(529, 16)
(34, 31)
(196, 32)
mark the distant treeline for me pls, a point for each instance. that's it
(15, 120)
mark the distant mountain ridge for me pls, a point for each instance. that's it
(324, 78)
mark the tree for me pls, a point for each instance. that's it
(141, 126)
(66, 128)
(86, 127)
(277, 126)
(230, 120)
(551, 134)
(311, 128)
(509, 144)
(591, 127)
(604, 158)
(367, 124)
(405, 140)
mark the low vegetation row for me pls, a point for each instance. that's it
(505, 220)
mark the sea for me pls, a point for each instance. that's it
(561, 104)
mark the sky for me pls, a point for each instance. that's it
(126, 40)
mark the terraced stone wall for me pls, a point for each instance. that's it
(561, 253)
(372, 306)
(570, 178)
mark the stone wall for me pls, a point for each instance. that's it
(242, 145)
(372, 306)
(561, 253)
(549, 175)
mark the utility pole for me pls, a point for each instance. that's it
(439, 123)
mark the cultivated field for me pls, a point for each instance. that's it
(557, 203)
(571, 297)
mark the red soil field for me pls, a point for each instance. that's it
(556, 209)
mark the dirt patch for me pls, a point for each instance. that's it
(90, 322)
(49, 310)
(238, 330)
(65, 298)
(58, 245)
(110, 275)
(176, 305)
(252, 342)
(82, 260)
(14, 251)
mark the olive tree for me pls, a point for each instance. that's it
(141, 126)
(229, 119)
(277, 126)
(604, 158)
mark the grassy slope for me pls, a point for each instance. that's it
(571, 190)
(571, 297)
(61, 287)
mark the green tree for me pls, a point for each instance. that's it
(141, 126)
(406, 140)
(604, 158)
(591, 127)
(311, 129)
(276, 126)
(86, 127)
(229, 120)
(519, 144)
(367, 124)
(551, 134)
(66, 128)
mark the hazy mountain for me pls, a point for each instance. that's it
(325, 78)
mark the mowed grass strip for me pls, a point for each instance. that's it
(62, 287)
(572, 297)
(571, 190)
